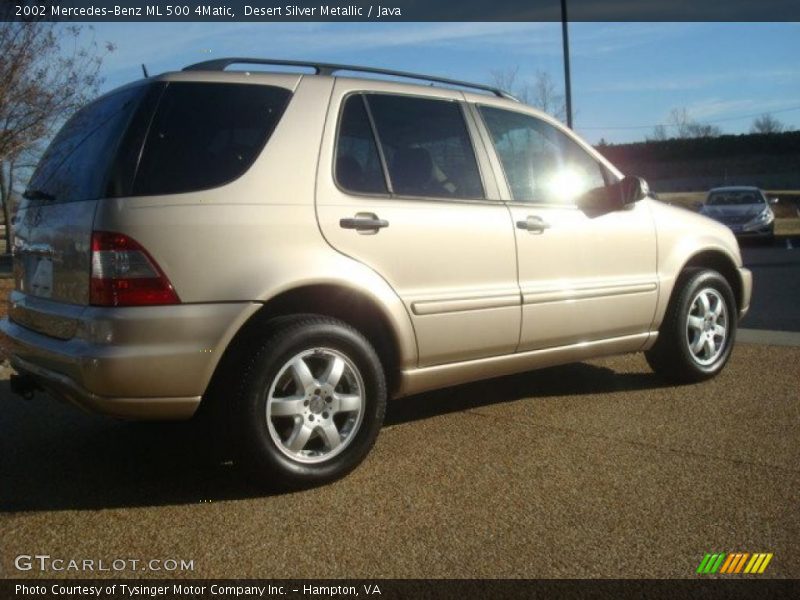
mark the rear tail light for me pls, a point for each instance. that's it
(124, 274)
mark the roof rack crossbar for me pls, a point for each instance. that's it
(220, 64)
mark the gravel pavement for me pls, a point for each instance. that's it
(590, 470)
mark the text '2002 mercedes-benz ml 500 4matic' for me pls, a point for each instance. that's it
(297, 248)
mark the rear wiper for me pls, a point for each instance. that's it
(38, 195)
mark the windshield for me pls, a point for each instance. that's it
(735, 198)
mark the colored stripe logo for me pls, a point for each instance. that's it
(734, 563)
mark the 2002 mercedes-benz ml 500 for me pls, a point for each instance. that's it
(299, 247)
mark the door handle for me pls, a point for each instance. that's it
(533, 224)
(364, 222)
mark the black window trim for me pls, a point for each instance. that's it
(391, 195)
(164, 85)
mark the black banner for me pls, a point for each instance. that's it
(399, 10)
(108, 589)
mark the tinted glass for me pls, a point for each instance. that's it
(427, 147)
(77, 163)
(735, 198)
(358, 165)
(204, 135)
(541, 163)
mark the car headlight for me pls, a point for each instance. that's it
(764, 217)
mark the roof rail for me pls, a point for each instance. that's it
(220, 64)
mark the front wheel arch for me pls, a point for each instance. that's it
(723, 264)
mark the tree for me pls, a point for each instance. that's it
(766, 123)
(659, 134)
(686, 127)
(542, 93)
(46, 73)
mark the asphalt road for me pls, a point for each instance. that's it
(776, 285)
(589, 470)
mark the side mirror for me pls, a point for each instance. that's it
(615, 196)
(633, 189)
(773, 201)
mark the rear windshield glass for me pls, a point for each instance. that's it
(204, 135)
(78, 160)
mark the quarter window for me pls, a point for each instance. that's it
(204, 135)
(541, 163)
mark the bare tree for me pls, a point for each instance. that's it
(542, 93)
(686, 127)
(659, 134)
(679, 119)
(46, 72)
(766, 123)
(703, 130)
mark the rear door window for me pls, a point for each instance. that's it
(358, 164)
(426, 146)
(423, 143)
(204, 135)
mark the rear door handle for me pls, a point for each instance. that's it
(364, 223)
(533, 224)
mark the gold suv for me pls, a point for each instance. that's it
(294, 249)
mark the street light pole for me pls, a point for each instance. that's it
(567, 82)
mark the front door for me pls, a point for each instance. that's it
(583, 277)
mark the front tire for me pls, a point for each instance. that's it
(312, 402)
(699, 329)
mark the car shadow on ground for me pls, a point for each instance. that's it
(54, 457)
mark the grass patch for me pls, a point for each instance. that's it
(787, 227)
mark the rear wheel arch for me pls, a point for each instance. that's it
(349, 305)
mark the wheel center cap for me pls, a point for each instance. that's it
(316, 405)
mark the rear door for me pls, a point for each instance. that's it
(584, 277)
(53, 225)
(402, 189)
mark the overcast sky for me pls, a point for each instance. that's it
(626, 77)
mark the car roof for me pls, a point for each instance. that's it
(735, 188)
(732, 188)
(331, 69)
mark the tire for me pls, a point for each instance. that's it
(311, 403)
(699, 328)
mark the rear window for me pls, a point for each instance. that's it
(77, 163)
(204, 135)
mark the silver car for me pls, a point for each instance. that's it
(746, 210)
(285, 252)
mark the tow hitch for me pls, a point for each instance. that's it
(24, 386)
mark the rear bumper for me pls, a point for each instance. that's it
(63, 388)
(133, 363)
